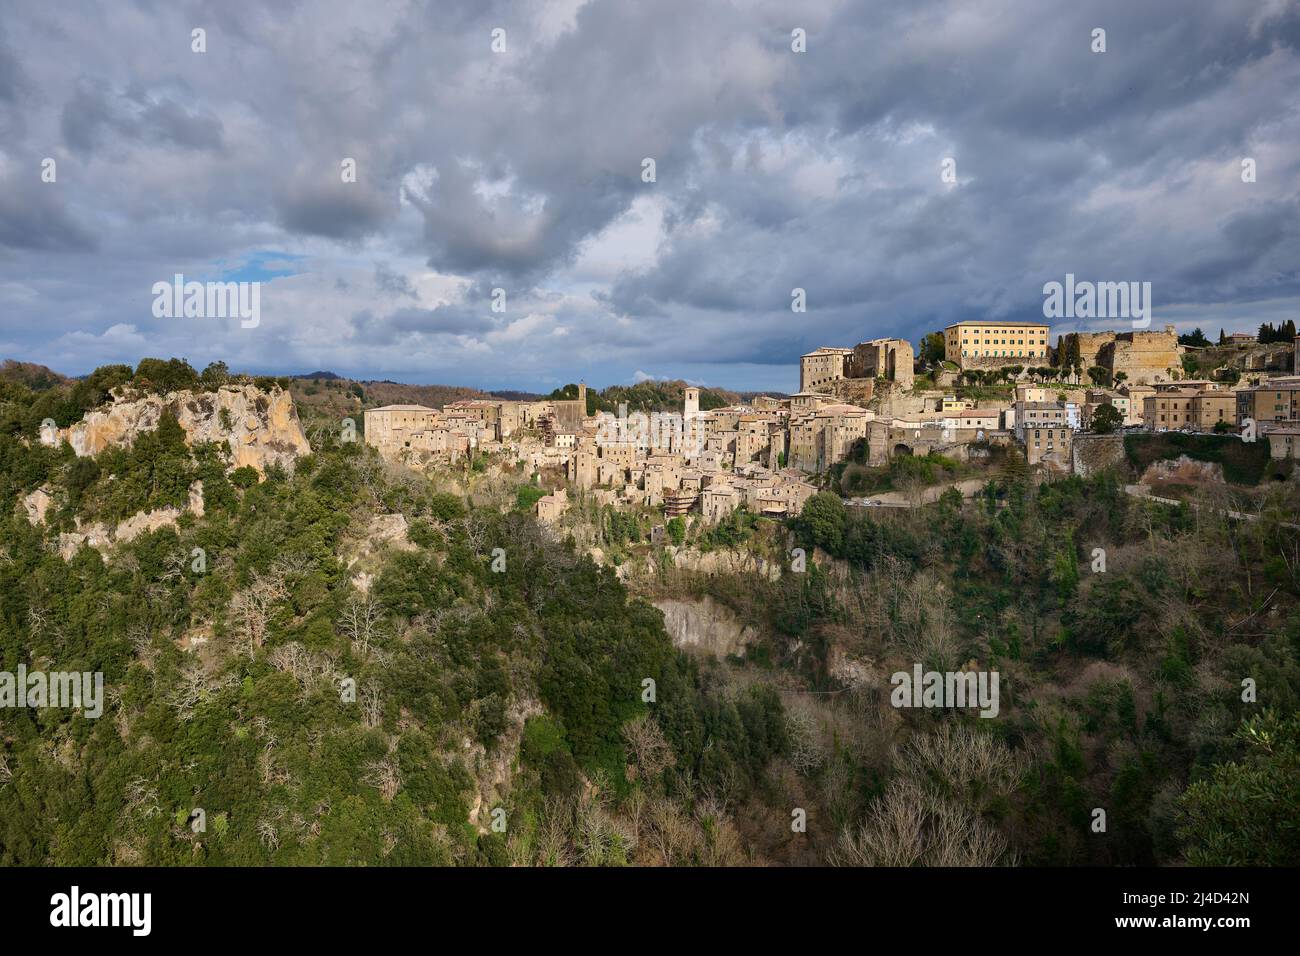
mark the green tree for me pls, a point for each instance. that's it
(214, 376)
(822, 522)
(1247, 813)
(1106, 419)
(157, 375)
(1100, 376)
(932, 348)
(677, 530)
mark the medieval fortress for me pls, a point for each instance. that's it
(866, 403)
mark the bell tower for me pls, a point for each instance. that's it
(691, 404)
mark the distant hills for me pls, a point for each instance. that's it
(36, 377)
(328, 393)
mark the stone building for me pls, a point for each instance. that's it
(1197, 408)
(1140, 356)
(1272, 400)
(393, 425)
(890, 359)
(821, 366)
(1283, 439)
(830, 370)
(550, 507)
(992, 343)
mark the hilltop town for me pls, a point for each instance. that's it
(975, 391)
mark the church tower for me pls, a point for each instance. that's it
(691, 404)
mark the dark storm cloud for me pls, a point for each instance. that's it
(775, 170)
(1255, 237)
(92, 114)
(392, 283)
(329, 207)
(393, 327)
(33, 218)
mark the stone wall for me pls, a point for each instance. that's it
(1143, 356)
(853, 391)
(890, 359)
(1090, 454)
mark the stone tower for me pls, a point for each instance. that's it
(691, 404)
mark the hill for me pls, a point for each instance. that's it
(30, 375)
(647, 396)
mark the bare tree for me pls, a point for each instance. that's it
(476, 532)
(969, 765)
(807, 749)
(142, 797)
(251, 607)
(910, 826)
(38, 620)
(194, 686)
(372, 710)
(272, 773)
(142, 643)
(267, 833)
(553, 833)
(361, 621)
(647, 748)
(385, 776)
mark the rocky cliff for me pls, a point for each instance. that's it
(704, 625)
(260, 428)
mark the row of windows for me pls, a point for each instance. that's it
(1007, 353)
(1023, 330)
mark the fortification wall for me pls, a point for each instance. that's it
(1143, 356)
(1090, 454)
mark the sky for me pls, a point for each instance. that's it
(522, 169)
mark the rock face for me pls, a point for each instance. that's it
(97, 535)
(704, 625)
(260, 428)
(384, 531)
(145, 522)
(1093, 453)
(101, 537)
(1182, 470)
(36, 504)
(689, 559)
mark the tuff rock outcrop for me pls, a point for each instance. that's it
(102, 537)
(704, 625)
(261, 428)
(36, 504)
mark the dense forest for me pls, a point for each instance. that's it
(648, 396)
(483, 692)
